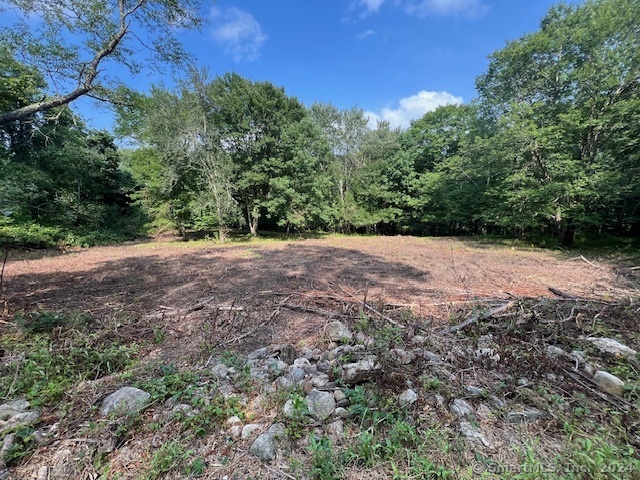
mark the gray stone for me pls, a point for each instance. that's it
(220, 370)
(432, 358)
(9, 409)
(321, 404)
(472, 433)
(287, 353)
(407, 397)
(288, 409)
(342, 412)
(553, 351)
(339, 395)
(474, 391)
(578, 356)
(523, 382)
(460, 408)
(439, 400)
(182, 409)
(336, 429)
(276, 367)
(124, 401)
(337, 332)
(590, 369)
(320, 380)
(258, 354)
(609, 383)
(235, 431)
(249, 429)
(496, 402)
(359, 371)
(234, 420)
(283, 383)
(613, 347)
(323, 367)
(297, 374)
(402, 357)
(302, 363)
(528, 415)
(264, 447)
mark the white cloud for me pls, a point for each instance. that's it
(412, 108)
(467, 8)
(372, 6)
(238, 33)
(365, 34)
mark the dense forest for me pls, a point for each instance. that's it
(549, 148)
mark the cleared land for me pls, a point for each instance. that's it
(175, 309)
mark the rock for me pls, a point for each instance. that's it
(259, 354)
(472, 433)
(496, 402)
(277, 367)
(474, 391)
(613, 347)
(288, 409)
(401, 356)
(336, 429)
(287, 353)
(220, 370)
(306, 386)
(297, 374)
(283, 383)
(407, 397)
(554, 352)
(231, 421)
(323, 367)
(235, 431)
(359, 371)
(249, 429)
(302, 363)
(523, 382)
(578, 356)
(609, 383)
(265, 446)
(432, 358)
(9, 409)
(321, 404)
(319, 381)
(528, 415)
(183, 410)
(460, 408)
(342, 412)
(337, 332)
(485, 341)
(124, 401)
(339, 395)
(488, 356)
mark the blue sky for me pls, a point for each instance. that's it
(396, 59)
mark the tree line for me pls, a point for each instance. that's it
(551, 147)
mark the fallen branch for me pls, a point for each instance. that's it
(4, 263)
(374, 311)
(562, 294)
(587, 261)
(478, 318)
(250, 332)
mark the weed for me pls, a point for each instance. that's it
(298, 418)
(324, 462)
(210, 415)
(171, 383)
(171, 457)
(23, 446)
(42, 321)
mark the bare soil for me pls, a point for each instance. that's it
(434, 278)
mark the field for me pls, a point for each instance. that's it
(185, 305)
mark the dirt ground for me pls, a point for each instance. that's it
(238, 290)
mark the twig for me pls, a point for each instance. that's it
(250, 332)
(587, 261)
(477, 318)
(373, 310)
(562, 294)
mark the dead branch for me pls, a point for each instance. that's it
(477, 318)
(273, 315)
(574, 375)
(374, 311)
(587, 261)
(4, 263)
(562, 294)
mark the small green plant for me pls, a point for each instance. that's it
(170, 457)
(42, 321)
(180, 384)
(324, 462)
(210, 415)
(362, 323)
(23, 446)
(298, 417)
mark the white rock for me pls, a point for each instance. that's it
(470, 432)
(249, 429)
(407, 397)
(459, 408)
(613, 347)
(124, 401)
(609, 383)
(337, 332)
(321, 404)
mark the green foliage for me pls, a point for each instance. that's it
(52, 366)
(324, 462)
(24, 444)
(173, 457)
